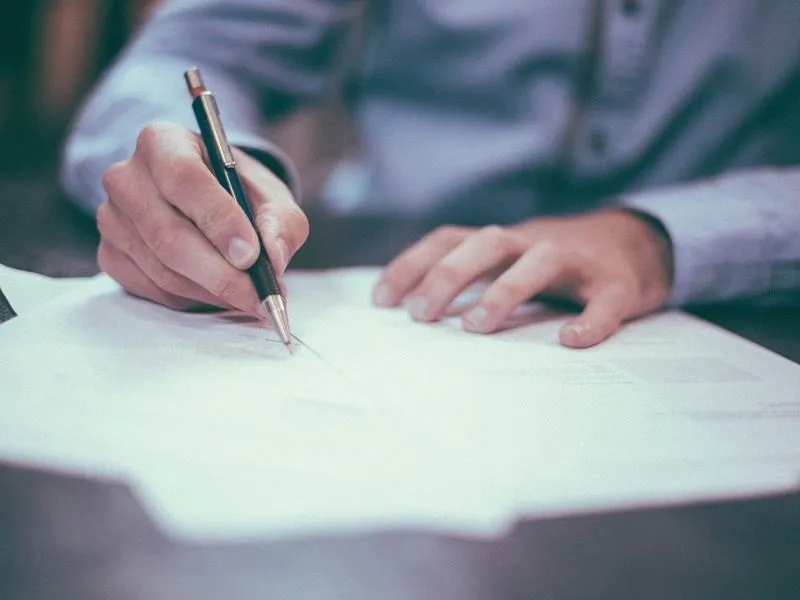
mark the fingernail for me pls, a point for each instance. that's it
(418, 307)
(382, 295)
(240, 253)
(475, 319)
(283, 254)
(570, 334)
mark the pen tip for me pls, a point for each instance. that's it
(275, 308)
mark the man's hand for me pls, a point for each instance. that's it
(170, 233)
(615, 263)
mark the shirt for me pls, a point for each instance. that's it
(478, 112)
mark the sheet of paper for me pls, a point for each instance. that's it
(380, 422)
(26, 291)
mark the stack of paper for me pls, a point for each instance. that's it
(377, 421)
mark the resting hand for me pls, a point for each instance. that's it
(616, 264)
(170, 233)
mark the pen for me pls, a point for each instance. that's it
(223, 165)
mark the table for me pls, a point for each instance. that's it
(67, 537)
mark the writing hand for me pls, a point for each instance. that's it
(170, 233)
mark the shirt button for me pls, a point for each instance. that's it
(598, 141)
(630, 8)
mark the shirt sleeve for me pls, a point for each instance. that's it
(733, 237)
(261, 59)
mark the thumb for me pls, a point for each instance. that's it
(281, 223)
(602, 317)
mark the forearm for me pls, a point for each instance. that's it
(260, 59)
(133, 96)
(736, 237)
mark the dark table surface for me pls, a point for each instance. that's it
(67, 537)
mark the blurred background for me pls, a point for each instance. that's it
(53, 52)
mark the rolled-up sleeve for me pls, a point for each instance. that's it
(261, 59)
(733, 237)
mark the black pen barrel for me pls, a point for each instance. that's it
(263, 277)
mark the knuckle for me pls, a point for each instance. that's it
(508, 290)
(137, 210)
(492, 305)
(266, 223)
(447, 234)
(109, 262)
(399, 269)
(151, 135)
(104, 219)
(448, 274)
(621, 287)
(626, 292)
(548, 250)
(169, 281)
(499, 237)
(113, 178)
(216, 219)
(177, 177)
(148, 138)
(165, 245)
(225, 289)
(298, 224)
(494, 232)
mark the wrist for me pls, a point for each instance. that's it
(647, 244)
(274, 160)
(651, 241)
(271, 162)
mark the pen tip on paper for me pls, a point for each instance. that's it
(276, 310)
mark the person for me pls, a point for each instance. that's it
(627, 155)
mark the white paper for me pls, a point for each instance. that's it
(377, 421)
(26, 291)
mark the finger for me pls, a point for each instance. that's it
(406, 271)
(603, 315)
(174, 158)
(121, 268)
(539, 268)
(121, 234)
(175, 240)
(488, 248)
(282, 225)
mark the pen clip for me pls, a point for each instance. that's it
(217, 130)
(200, 93)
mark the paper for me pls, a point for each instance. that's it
(27, 291)
(377, 421)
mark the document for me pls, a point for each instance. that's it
(380, 422)
(26, 291)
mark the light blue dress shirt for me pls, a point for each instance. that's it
(496, 111)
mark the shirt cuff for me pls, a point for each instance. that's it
(272, 157)
(718, 231)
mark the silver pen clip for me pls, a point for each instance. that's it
(200, 92)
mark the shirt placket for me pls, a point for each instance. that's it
(619, 70)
